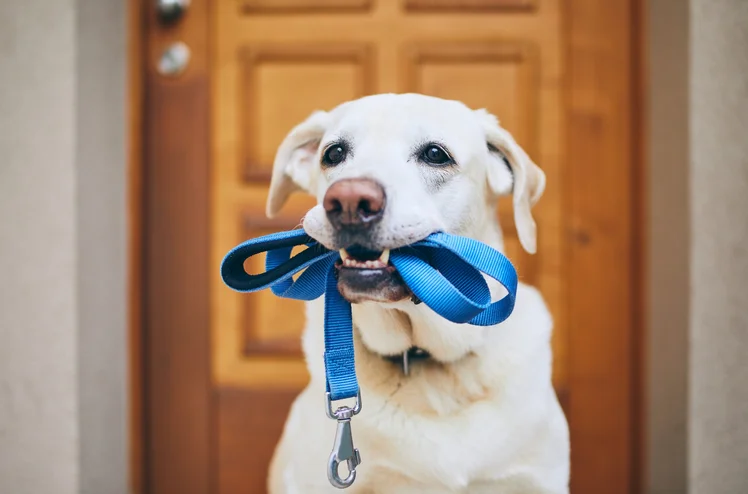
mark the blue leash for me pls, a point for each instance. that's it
(443, 271)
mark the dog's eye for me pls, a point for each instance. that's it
(435, 155)
(334, 155)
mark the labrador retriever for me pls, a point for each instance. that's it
(475, 411)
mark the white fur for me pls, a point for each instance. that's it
(482, 415)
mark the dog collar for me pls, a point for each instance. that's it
(443, 271)
(413, 353)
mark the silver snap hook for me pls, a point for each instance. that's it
(343, 449)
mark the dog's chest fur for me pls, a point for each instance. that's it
(448, 424)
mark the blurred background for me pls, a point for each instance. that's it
(136, 139)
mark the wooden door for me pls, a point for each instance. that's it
(222, 368)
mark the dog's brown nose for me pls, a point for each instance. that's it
(354, 202)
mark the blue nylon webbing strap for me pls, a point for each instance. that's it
(443, 270)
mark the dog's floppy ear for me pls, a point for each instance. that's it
(525, 179)
(294, 167)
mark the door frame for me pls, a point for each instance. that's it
(172, 411)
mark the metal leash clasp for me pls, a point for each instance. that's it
(342, 449)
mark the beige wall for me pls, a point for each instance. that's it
(697, 412)
(62, 240)
(39, 434)
(718, 368)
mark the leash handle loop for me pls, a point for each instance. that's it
(456, 289)
(279, 264)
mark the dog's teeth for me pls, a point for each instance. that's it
(352, 262)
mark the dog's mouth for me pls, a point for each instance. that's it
(367, 275)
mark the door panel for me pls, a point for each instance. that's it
(274, 99)
(215, 411)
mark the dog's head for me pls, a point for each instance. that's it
(389, 170)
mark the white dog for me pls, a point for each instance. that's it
(476, 413)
